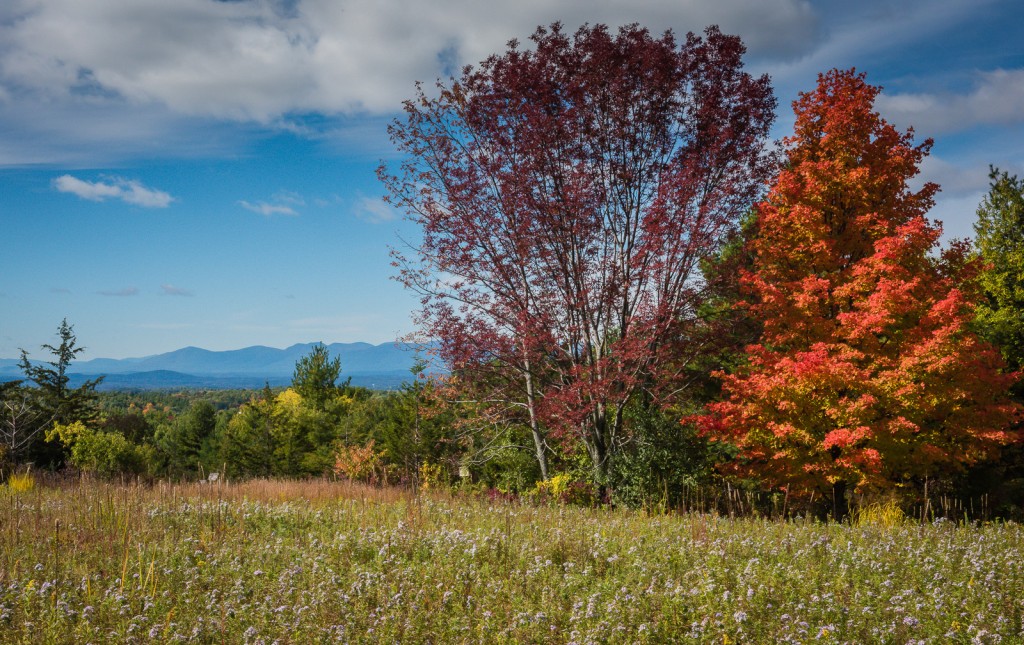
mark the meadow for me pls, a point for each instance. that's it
(323, 562)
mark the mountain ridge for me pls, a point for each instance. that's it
(387, 363)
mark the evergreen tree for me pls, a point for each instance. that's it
(316, 377)
(247, 442)
(183, 440)
(1000, 242)
(53, 396)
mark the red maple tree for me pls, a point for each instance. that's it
(867, 372)
(566, 196)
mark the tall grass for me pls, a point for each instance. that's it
(334, 562)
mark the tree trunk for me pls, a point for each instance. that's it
(598, 446)
(840, 506)
(538, 437)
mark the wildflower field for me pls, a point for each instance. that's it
(328, 562)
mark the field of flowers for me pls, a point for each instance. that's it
(329, 562)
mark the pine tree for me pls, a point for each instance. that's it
(53, 396)
(1000, 242)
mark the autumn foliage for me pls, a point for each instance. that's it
(567, 195)
(867, 373)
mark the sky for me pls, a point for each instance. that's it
(201, 172)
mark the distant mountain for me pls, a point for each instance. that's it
(167, 380)
(379, 366)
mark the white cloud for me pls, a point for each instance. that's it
(997, 98)
(268, 210)
(93, 191)
(135, 193)
(256, 60)
(128, 191)
(374, 210)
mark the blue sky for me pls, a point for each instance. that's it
(201, 172)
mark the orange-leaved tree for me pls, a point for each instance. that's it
(867, 373)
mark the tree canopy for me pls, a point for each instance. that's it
(566, 195)
(999, 239)
(316, 376)
(867, 372)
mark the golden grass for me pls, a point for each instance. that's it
(887, 514)
(21, 483)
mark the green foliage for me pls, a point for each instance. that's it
(246, 445)
(663, 461)
(101, 453)
(316, 377)
(133, 425)
(182, 441)
(174, 402)
(65, 404)
(408, 425)
(52, 395)
(727, 326)
(507, 462)
(999, 240)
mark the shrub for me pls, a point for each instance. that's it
(551, 489)
(432, 476)
(581, 494)
(102, 453)
(564, 490)
(664, 461)
(360, 463)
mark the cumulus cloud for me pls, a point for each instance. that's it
(260, 60)
(268, 210)
(120, 293)
(996, 98)
(126, 190)
(171, 290)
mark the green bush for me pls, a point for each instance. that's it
(664, 460)
(101, 453)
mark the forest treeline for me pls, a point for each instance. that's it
(639, 300)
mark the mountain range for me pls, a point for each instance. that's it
(384, 366)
